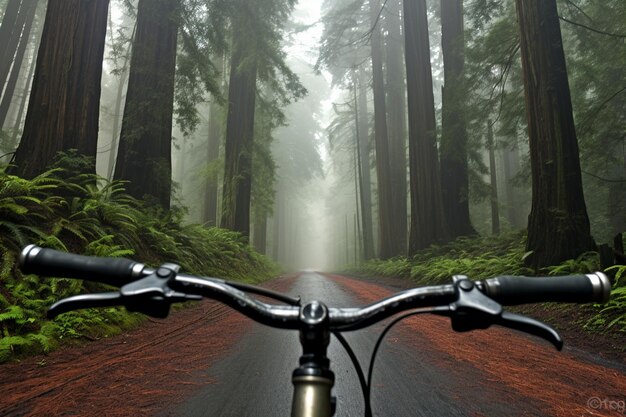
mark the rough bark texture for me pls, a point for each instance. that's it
(453, 150)
(558, 225)
(9, 88)
(144, 154)
(427, 218)
(389, 244)
(363, 150)
(65, 97)
(239, 130)
(396, 106)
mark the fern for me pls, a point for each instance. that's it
(13, 313)
(69, 211)
(105, 247)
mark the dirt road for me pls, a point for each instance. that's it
(209, 361)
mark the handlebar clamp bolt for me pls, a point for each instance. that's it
(314, 313)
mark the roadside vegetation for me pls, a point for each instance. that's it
(488, 256)
(65, 210)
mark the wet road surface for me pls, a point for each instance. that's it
(255, 379)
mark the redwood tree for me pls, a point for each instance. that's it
(65, 97)
(454, 174)
(209, 212)
(363, 154)
(240, 124)
(396, 116)
(558, 225)
(144, 155)
(389, 245)
(427, 219)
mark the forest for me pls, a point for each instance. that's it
(411, 138)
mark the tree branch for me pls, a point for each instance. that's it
(602, 179)
(614, 35)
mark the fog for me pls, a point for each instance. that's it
(338, 166)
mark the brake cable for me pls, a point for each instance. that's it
(359, 372)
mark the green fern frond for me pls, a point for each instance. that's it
(12, 313)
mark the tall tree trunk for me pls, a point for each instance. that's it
(24, 98)
(427, 219)
(357, 205)
(454, 175)
(239, 130)
(260, 232)
(277, 223)
(213, 149)
(388, 242)
(144, 157)
(495, 212)
(13, 34)
(65, 98)
(558, 225)
(115, 134)
(9, 90)
(514, 202)
(117, 116)
(396, 99)
(363, 153)
(9, 21)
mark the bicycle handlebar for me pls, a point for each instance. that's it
(511, 290)
(53, 263)
(469, 305)
(127, 274)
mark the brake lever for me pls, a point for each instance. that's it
(77, 302)
(531, 326)
(150, 295)
(474, 310)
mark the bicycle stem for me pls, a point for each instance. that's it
(313, 379)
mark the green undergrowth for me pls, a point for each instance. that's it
(485, 257)
(85, 214)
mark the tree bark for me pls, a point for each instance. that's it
(117, 116)
(453, 150)
(213, 148)
(514, 201)
(11, 33)
(24, 98)
(65, 98)
(396, 98)
(363, 153)
(495, 212)
(239, 130)
(9, 89)
(260, 233)
(427, 219)
(388, 246)
(6, 28)
(144, 156)
(558, 225)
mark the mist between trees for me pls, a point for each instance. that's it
(332, 132)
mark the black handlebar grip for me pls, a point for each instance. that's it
(510, 290)
(52, 263)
